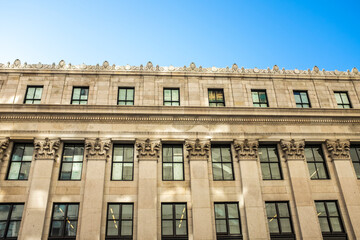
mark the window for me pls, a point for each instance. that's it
(279, 220)
(122, 162)
(227, 221)
(270, 163)
(316, 162)
(342, 99)
(222, 163)
(80, 95)
(64, 221)
(33, 95)
(174, 221)
(10, 219)
(126, 96)
(173, 163)
(216, 98)
(259, 98)
(20, 161)
(171, 97)
(72, 160)
(119, 224)
(330, 221)
(355, 157)
(302, 99)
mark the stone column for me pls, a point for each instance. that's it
(148, 155)
(37, 203)
(247, 155)
(200, 189)
(4, 144)
(96, 153)
(340, 155)
(300, 184)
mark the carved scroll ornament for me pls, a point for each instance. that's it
(147, 149)
(197, 149)
(97, 148)
(46, 149)
(293, 149)
(338, 149)
(246, 149)
(4, 144)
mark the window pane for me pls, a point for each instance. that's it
(178, 171)
(167, 212)
(2, 228)
(217, 171)
(221, 226)
(17, 212)
(345, 98)
(4, 212)
(335, 224)
(297, 97)
(273, 225)
(283, 210)
(24, 170)
(59, 211)
(180, 211)
(126, 228)
(225, 152)
(227, 171)
(324, 225)
(219, 96)
(338, 98)
(275, 171)
(262, 97)
(211, 96)
(118, 154)
(332, 209)
(70, 229)
(130, 94)
(255, 97)
(270, 209)
(56, 229)
(78, 153)
(175, 95)
(30, 92)
(122, 94)
(113, 211)
(73, 211)
(234, 226)
(167, 171)
(76, 171)
(304, 97)
(265, 170)
(127, 212)
(215, 154)
(321, 170)
(219, 210)
(117, 171)
(181, 227)
(320, 208)
(167, 228)
(38, 93)
(129, 154)
(167, 95)
(312, 171)
(272, 154)
(308, 154)
(263, 155)
(167, 154)
(127, 171)
(233, 211)
(112, 228)
(318, 154)
(28, 153)
(14, 170)
(357, 169)
(76, 94)
(285, 225)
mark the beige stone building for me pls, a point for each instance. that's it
(149, 152)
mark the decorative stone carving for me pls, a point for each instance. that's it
(275, 68)
(147, 149)
(246, 149)
(4, 144)
(338, 149)
(149, 66)
(293, 149)
(197, 149)
(105, 64)
(97, 148)
(316, 69)
(46, 149)
(192, 66)
(17, 63)
(234, 67)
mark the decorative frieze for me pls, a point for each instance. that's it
(338, 149)
(4, 144)
(97, 148)
(246, 149)
(198, 149)
(46, 149)
(147, 149)
(293, 150)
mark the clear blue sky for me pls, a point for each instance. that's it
(292, 34)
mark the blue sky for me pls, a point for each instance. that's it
(255, 33)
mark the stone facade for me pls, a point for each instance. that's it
(148, 125)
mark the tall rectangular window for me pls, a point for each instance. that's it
(64, 221)
(80, 95)
(10, 219)
(72, 160)
(302, 99)
(174, 221)
(227, 221)
(279, 220)
(126, 96)
(33, 95)
(222, 162)
(330, 221)
(216, 98)
(119, 225)
(270, 162)
(316, 162)
(171, 97)
(259, 98)
(342, 99)
(355, 157)
(122, 162)
(20, 161)
(173, 163)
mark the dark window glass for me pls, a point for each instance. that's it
(72, 160)
(20, 161)
(10, 219)
(172, 163)
(316, 162)
(126, 96)
(355, 157)
(259, 98)
(342, 100)
(174, 221)
(330, 221)
(171, 97)
(227, 221)
(222, 162)
(122, 162)
(279, 220)
(80, 95)
(302, 99)
(216, 98)
(119, 224)
(270, 162)
(33, 95)
(64, 221)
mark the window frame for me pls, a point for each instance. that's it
(357, 162)
(62, 161)
(343, 104)
(221, 162)
(302, 103)
(21, 161)
(120, 220)
(122, 162)
(266, 146)
(315, 162)
(126, 93)
(172, 162)
(79, 100)
(171, 101)
(259, 103)
(65, 218)
(281, 235)
(223, 236)
(216, 101)
(33, 99)
(174, 219)
(8, 220)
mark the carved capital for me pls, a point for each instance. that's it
(46, 149)
(339, 150)
(4, 144)
(293, 150)
(97, 149)
(246, 149)
(148, 149)
(198, 150)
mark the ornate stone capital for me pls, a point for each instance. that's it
(4, 144)
(246, 149)
(198, 150)
(339, 150)
(46, 149)
(147, 149)
(97, 149)
(293, 150)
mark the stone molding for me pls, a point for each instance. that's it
(97, 149)
(147, 149)
(293, 150)
(198, 150)
(46, 149)
(338, 149)
(4, 144)
(246, 149)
